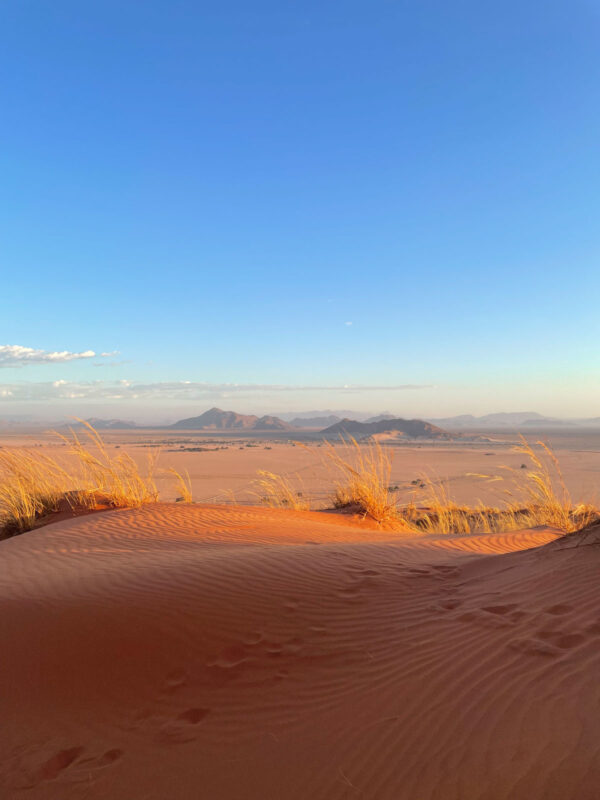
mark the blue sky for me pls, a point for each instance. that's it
(212, 192)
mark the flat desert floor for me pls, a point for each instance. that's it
(237, 652)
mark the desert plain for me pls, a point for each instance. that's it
(226, 649)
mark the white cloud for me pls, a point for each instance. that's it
(347, 323)
(175, 390)
(15, 355)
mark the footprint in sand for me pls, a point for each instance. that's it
(289, 647)
(229, 657)
(105, 760)
(594, 628)
(70, 763)
(184, 727)
(252, 639)
(59, 762)
(450, 604)
(559, 609)
(486, 617)
(562, 640)
(510, 611)
(535, 647)
(175, 680)
(445, 571)
(364, 571)
(548, 643)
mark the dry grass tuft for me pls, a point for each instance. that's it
(548, 500)
(536, 497)
(33, 485)
(365, 483)
(276, 491)
(184, 485)
(116, 478)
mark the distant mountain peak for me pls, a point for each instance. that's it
(411, 428)
(217, 419)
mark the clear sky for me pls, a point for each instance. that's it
(399, 198)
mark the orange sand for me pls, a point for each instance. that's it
(243, 653)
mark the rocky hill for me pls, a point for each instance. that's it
(409, 428)
(217, 419)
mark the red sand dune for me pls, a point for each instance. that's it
(217, 652)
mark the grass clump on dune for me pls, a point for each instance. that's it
(365, 480)
(116, 479)
(33, 485)
(277, 491)
(536, 497)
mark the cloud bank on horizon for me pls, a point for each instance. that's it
(165, 390)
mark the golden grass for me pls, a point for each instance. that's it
(547, 498)
(365, 478)
(184, 485)
(116, 478)
(33, 484)
(277, 491)
(536, 497)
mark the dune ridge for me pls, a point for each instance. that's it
(218, 652)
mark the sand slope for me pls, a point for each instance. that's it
(214, 652)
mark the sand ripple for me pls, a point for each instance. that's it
(218, 652)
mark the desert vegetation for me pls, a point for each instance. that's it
(91, 476)
(279, 491)
(33, 485)
(536, 496)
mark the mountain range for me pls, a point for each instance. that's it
(512, 419)
(217, 419)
